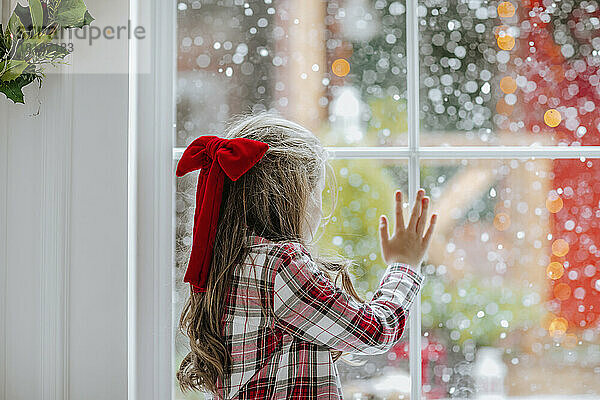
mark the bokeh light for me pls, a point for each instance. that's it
(508, 84)
(555, 204)
(502, 221)
(506, 9)
(340, 67)
(562, 291)
(506, 41)
(560, 247)
(558, 326)
(552, 118)
(555, 270)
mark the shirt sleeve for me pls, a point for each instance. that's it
(308, 305)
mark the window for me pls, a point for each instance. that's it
(489, 106)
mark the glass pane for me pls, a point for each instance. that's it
(366, 190)
(509, 72)
(511, 303)
(184, 220)
(339, 68)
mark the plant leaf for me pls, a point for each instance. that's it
(52, 52)
(25, 16)
(87, 19)
(30, 46)
(6, 41)
(37, 14)
(70, 13)
(14, 23)
(3, 45)
(14, 69)
(14, 89)
(52, 6)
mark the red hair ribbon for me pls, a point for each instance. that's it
(215, 157)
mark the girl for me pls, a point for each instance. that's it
(270, 320)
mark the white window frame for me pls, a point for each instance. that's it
(151, 192)
(152, 132)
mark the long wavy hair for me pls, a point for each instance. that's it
(270, 200)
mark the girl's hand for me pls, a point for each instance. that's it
(407, 244)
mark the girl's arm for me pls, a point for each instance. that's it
(309, 306)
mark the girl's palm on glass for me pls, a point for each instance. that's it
(407, 244)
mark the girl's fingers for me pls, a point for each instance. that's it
(415, 212)
(427, 237)
(399, 215)
(383, 229)
(422, 218)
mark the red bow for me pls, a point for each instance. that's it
(234, 157)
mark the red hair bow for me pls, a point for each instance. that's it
(215, 157)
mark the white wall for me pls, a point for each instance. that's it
(63, 229)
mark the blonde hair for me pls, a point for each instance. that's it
(270, 200)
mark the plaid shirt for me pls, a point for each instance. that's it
(282, 315)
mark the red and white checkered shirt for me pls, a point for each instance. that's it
(283, 314)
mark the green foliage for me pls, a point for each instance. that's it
(15, 26)
(26, 43)
(387, 123)
(37, 15)
(388, 116)
(87, 19)
(454, 306)
(14, 89)
(4, 45)
(366, 192)
(70, 13)
(12, 69)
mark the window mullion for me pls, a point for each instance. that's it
(412, 77)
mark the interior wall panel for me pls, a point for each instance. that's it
(63, 226)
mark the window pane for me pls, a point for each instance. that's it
(339, 68)
(509, 72)
(184, 220)
(511, 303)
(366, 191)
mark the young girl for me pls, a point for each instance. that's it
(268, 320)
